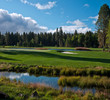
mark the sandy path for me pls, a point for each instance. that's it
(69, 53)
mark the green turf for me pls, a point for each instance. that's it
(53, 58)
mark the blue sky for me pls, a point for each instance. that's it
(47, 15)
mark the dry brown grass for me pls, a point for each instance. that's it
(82, 48)
(39, 86)
(41, 48)
(3, 65)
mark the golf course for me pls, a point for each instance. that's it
(54, 49)
(51, 57)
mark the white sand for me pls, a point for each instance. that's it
(69, 53)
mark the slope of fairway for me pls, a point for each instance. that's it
(53, 58)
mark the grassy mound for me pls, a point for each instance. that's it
(82, 48)
(41, 48)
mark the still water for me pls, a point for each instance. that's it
(48, 81)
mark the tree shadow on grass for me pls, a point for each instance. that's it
(51, 55)
(5, 58)
(10, 52)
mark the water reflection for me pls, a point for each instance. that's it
(48, 81)
(26, 78)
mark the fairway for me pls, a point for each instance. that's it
(53, 58)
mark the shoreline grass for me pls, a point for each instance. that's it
(85, 82)
(21, 91)
(55, 71)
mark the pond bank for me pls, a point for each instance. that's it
(55, 71)
(43, 80)
(85, 82)
(20, 91)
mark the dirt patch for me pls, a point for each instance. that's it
(82, 48)
(41, 48)
(4, 66)
(98, 67)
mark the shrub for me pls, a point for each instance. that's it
(56, 71)
(81, 72)
(87, 82)
(32, 70)
(108, 72)
(88, 96)
(97, 72)
(39, 70)
(104, 82)
(95, 81)
(52, 93)
(96, 77)
(73, 81)
(62, 81)
(62, 72)
(90, 72)
(68, 81)
(73, 71)
(67, 72)
(49, 71)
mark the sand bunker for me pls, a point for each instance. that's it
(69, 53)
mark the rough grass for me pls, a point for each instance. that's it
(85, 82)
(53, 58)
(21, 91)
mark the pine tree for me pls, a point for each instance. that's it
(108, 36)
(102, 25)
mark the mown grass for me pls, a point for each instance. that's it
(54, 58)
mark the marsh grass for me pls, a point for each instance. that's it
(21, 91)
(85, 82)
(55, 71)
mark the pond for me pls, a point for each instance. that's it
(48, 81)
(47, 49)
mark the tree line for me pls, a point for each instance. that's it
(61, 39)
(58, 39)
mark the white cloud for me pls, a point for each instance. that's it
(52, 31)
(86, 5)
(49, 5)
(17, 76)
(25, 1)
(14, 22)
(71, 29)
(94, 18)
(94, 21)
(77, 25)
(48, 13)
